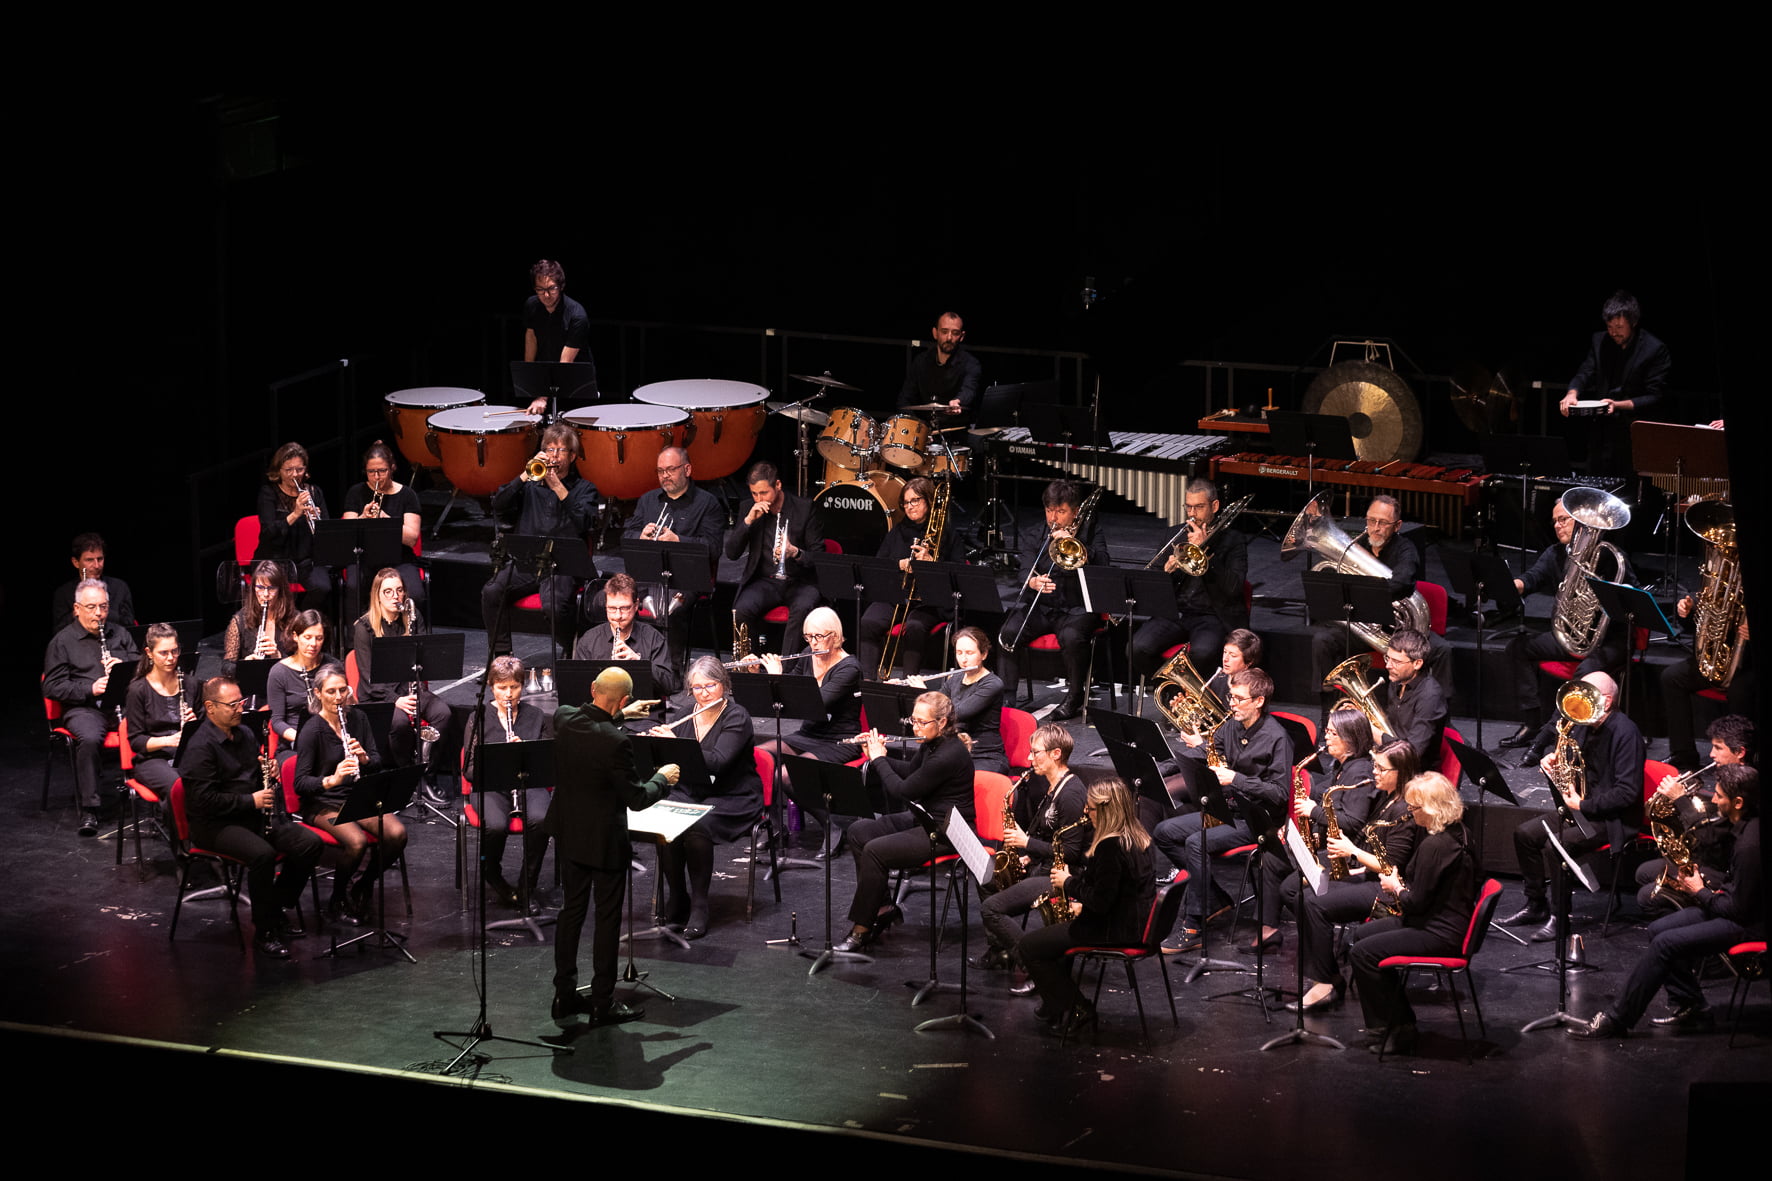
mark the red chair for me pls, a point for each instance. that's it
(1450, 966)
(766, 772)
(1310, 730)
(1164, 910)
(61, 736)
(231, 870)
(1748, 962)
(1018, 728)
(779, 615)
(1654, 771)
(1449, 766)
(140, 794)
(330, 843)
(1435, 595)
(246, 545)
(471, 819)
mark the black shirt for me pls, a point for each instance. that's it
(928, 380)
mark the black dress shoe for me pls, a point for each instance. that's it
(567, 1009)
(1271, 943)
(1530, 915)
(855, 940)
(1081, 1017)
(889, 914)
(1519, 738)
(994, 959)
(501, 890)
(1400, 1040)
(615, 1014)
(1544, 934)
(1332, 1001)
(89, 823)
(1686, 1017)
(270, 946)
(1531, 758)
(339, 911)
(1604, 1025)
(1069, 711)
(291, 928)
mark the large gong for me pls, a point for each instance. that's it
(1380, 410)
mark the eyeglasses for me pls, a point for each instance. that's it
(707, 688)
(1379, 523)
(1397, 658)
(1241, 699)
(914, 500)
(817, 637)
(672, 470)
(234, 704)
(550, 289)
(101, 606)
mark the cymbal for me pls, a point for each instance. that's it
(801, 413)
(1483, 401)
(826, 380)
(927, 406)
(985, 430)
(1383, 413)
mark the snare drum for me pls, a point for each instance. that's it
(621, 445)
(725, 418)
(847, 439)
(480, 455)
(857, 511)
(941, 465)
(903, 440)
(408, 410)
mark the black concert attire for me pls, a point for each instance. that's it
(1261, 758)
(1329, 640)
(403, 737)
(759, 590)
(927, 379)
(1211, 607)
(1350, 900)
(1637, 372)
(279, 540)
(61, 604)
(1535, 691)
(1439, 891)
(1061, 613)
(939, 777)
(697, 516)
(923, 615)
(288, 692)
(1040, 810)
(597, 784)
(978, 711)
(394, 507)
(1356, 798)
(221, 772)
(646, 641)
(72, 662)
(1680, 683)
(1613, 753)
(566, 327)
(736, 794)
(318, 752)
(1710, 841)
(540, 514)
(1716, 921)
(1419, 711)
(151, 714)
(530, 725)
(828, 740)
(240, 641)
(1116, 885)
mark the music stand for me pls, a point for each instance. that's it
(190, 639)
(888, 707)
(1686, 453)
(573, 680)
(978, 862)
(852, 577)
(1064, 426)
(1635, 607)
(1268, 843)
(1138, 594)
(1478, 577)
(251, 676)
(1138, 750)
(1563, 865)
(1519, 457)
(1314, 436)
(1332, 598)
(545, 557)
(515, 767)
(359, 543)
(998, 409)
(1476, 765)
(571, 382)
(843, 791)
(783, 696)
(650, 753)
(1202, 785)
(967, 587)
(378, 794)
(1312, 878)
(681, 567)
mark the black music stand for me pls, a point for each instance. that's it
(887, 707)
(190, 638)
(843, 790)
(650, 753)
(1479, 577)
(852, 577)
(569, 382)
(1347, 599)
(1138, 750)
(999, 409)
(783, 696)
(1202, 784)
(684, 566)
(378, 794)
(1310, 878)
(979, 864)
(365, 544)
(1635, 607)
(968, 588)
(435, 654)
(1063, 426)
(1520, 457)
(1563, 964)
(514, 767)
(1314, 436)
(1139, 594)
(1268, 843)
(658, 821)
(1476, 765)
(573, 680)
(1685, 453)
(251, 676)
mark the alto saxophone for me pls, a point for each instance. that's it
(1332, 830)
(1214, 760)
(1301, 790)
(1383, 905)
(1056, 906)
(1007, 868)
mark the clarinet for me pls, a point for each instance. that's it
(511, 735)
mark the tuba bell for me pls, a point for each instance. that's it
(1579, 622)
(1316, 530)
(1345, 679)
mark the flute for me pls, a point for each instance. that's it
(672, 726)
(749, 661)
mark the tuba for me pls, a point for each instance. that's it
(1318, 531)
(1579, 622)
(1345, 678)
(1720, 607)
(1184, 698)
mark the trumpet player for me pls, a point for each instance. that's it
(508, 719)
(1731, 740)
(1717, 920)
(1611, 750)
(1210, 603)
(772, 542)
(1533, 691)
(621, 636)
(558, 504)
(1048, 798)
(676, 511)
(1052, 598)
(288, 506)
(77, 670)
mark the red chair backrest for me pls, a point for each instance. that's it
(1654, 771)
(291, 801)
(1310, 727)
(988, 791)
(1450, 767)
(245, 539)
(125, 754)
(1018, 726)
(832, 546)
(765, 772)
(179, 820)
(1435, 594)
(1487, 898)
(351, 673)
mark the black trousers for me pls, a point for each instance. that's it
(758, 597)
(580, 881)
(272, 890)
(890, 842)
(558, 592)
(1204, 635)
(1382, 996)
(876, 621)
(1533, 850)
(1679, 685)
(1535, 691)
(1676, 943)
(1074, 630)
(89, 727)
(495, 828)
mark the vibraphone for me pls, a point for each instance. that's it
(1434, 495)
(1151, 470)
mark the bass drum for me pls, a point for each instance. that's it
(480, 455)
(621, 444)
(858, 509)
(725, 419)
(409, 410)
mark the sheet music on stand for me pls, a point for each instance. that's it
(1305, 860)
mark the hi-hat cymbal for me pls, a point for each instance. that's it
(928, 406)
(826, 380)
(802, 413)
(1383, 415)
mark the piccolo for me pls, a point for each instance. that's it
(931, 676)
(691, 717)
(750, 661)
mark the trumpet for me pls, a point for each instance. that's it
(373, 509)
(536, 469)
(781, 548)
(663, 524)
(312, 511)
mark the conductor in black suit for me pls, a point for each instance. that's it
(595, 785)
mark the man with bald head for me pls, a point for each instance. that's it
(595, 785)
(1612, 751)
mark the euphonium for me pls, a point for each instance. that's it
(1345, 678)
(1318, 531)
(1184, 697)
(1580, 704)
(1007, 868)
(1194, 558)
(1579, 621)
(1056, 906)
(1672, 839)
(1720, 606)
